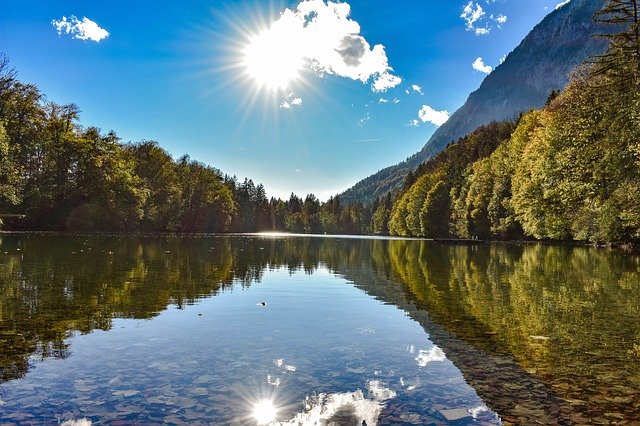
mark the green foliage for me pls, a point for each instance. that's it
(434, 204)
(66, 177)
(9, 193)
(569, 171)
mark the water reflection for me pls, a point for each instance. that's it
(542, 333)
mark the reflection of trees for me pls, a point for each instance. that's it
(50, 287)
(567, 315)
(564, 318)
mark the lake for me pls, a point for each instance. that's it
(274, 329)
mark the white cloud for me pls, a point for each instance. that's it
(476, 19)
(322, 37)
(385, 81)
(503, 58)
(383, 101)
(364, 119)
(559, 5)
(471, 14)
(84, 29)
(433, 116)
(417, 88)
(479, 65)
(396, 100)
(415, 122)
(290, 104)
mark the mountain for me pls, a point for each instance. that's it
(540, 64)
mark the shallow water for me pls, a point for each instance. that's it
(174, 330)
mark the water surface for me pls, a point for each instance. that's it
(292, 330)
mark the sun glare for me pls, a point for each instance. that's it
(264, 412)
(272, 58)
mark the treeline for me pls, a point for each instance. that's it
(568, 171)
(63, 176)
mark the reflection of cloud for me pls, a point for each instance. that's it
(81, 30)
(475, 412)
(275, 381)
(81, 422)
(280, 362)
(379, 392)
(435, 354)
(323, 408)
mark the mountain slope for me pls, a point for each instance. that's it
(540, 64)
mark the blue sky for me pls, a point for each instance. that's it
(177, 72)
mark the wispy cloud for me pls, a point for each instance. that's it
(479, 65)
(471, 14)
(368, 140)
(84, 29)
(477, 20)
(417, 88)
(322, 36)
(383, 101)
(364, 119)
(433, 116)
(290, 104)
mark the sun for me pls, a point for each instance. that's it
(273, 58)
(264, 412)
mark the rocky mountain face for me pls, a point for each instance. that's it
(540, 64)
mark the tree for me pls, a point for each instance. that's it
(9, 192)
(625, 44)
(157, 173)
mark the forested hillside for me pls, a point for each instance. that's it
(539, 65)
(67, 177)
(569, 171)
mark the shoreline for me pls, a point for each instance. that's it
(625, 247)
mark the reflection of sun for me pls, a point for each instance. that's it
(273, 57)
(264, 412)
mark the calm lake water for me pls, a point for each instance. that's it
(309, 330)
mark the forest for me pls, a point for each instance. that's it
(570, 171)
(63, 176)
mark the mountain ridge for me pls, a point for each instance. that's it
(540, 64)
